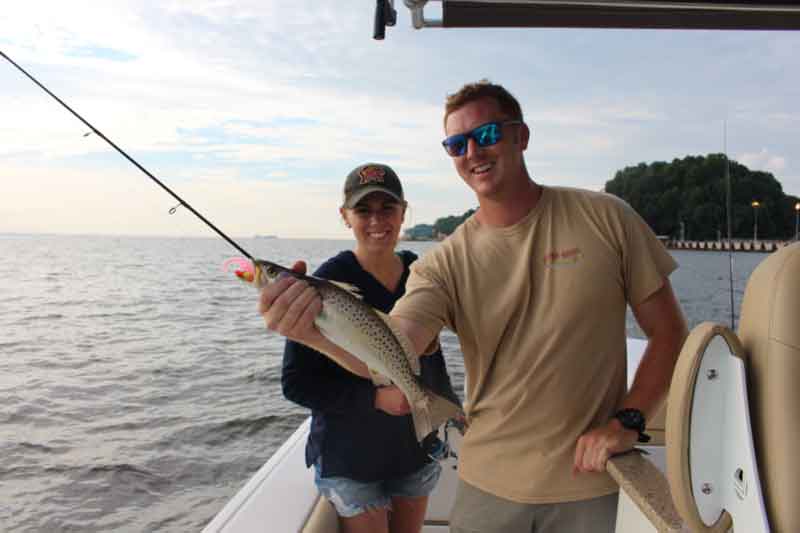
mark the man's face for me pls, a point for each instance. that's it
(488, 170)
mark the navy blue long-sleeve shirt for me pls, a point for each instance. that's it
(354, 439)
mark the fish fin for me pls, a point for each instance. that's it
(442, 410)
(405, 343)
(433, 413)
(422, 422)
(352, 289)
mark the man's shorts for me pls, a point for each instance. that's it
(476, 511)
(351, 497)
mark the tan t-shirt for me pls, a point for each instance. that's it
(539, 309)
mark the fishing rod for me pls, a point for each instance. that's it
(133, 161)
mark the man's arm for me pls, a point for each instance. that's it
(424, 340)
(662, 321)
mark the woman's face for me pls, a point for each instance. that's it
(376, 221)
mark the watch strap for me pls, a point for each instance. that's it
(633, 419)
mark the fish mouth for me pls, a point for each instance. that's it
(267, 272)
(257, 275)
(255, 272)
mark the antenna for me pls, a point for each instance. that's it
(728, 212)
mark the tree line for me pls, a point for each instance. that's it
(687, 198)
(443, 227)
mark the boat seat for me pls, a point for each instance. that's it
(737, 442)
(769, 330)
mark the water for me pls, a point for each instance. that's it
(139, 389)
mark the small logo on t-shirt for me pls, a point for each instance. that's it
(558, 258)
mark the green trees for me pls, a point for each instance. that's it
(442, 226)
(447, 225)
(691, 191)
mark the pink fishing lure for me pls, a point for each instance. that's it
(244, 268)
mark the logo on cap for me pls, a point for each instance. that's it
(371, 174)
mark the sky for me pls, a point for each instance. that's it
(255, 111)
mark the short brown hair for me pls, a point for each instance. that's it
(478, 91)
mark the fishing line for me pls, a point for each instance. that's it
(132, 160)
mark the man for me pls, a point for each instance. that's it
(536, 286)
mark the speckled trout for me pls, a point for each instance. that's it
(366, 333)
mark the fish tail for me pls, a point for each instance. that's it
(431, 414)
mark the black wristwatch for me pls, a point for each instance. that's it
(633, 419)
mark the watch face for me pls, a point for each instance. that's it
(631, 419)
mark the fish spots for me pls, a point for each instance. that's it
(363, 327)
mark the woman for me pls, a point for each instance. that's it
(362, 444)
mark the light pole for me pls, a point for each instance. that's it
(797, 221)
(755, 205)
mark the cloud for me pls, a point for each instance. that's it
(235, 100)
(763, 160)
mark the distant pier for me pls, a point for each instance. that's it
(762, 246)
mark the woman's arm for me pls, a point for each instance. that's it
(310, 379)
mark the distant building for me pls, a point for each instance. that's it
(420, 232)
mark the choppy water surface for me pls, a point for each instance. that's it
(139, 389)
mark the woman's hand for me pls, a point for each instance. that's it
(391, 400)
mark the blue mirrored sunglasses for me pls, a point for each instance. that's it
(484, 135)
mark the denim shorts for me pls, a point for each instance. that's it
(351, 497)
